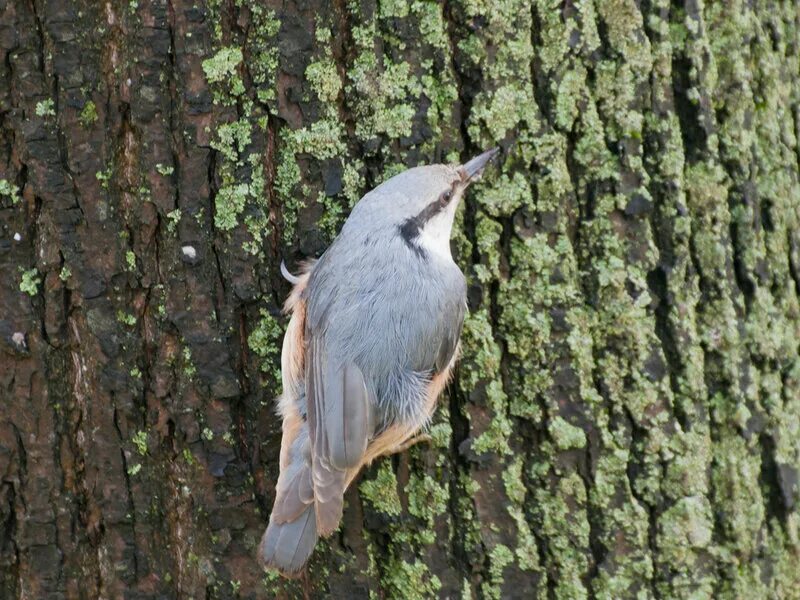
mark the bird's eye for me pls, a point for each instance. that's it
(445, 197)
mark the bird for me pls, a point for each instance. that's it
(371, 342)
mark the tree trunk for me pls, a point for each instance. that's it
(625, 420)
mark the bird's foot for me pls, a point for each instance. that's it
(420, 437)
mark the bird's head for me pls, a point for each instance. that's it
(419, 204)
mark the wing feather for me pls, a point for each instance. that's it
(450, 337)
(291, 495)
(340, 420)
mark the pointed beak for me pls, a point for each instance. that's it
(473, 169)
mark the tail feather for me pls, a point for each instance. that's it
(287, 546)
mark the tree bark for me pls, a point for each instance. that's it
(625, 420)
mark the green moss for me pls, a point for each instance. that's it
(188, 366)
(565, 435)
(9, 190)
(173, 218)
(502, 109)
(88, 114)
(139, 439)
(104, 177)
(526, 298)
(481, 357)
(684, 531)
(499, 558)
(232, 139)
(427, 500)
(257, 221)
(261, 46)
(441, 434)
(264, 341)
(565, 299)
(126, 318)
(526, 550)
(46, 108)
(287, 180)
(223, 68)
(384, 91)
(322, 139)
(505, 194)
(470, 531)
(393, 8)
(506, 100)
(188, 457)
(466, 590)
(555, 183)
(65, 273)
(352, 181)
(229, 204)
(487, 233)
(495, 437)
(130, 260)
(29, 283)
(388, 93)
(512, 480)
(325, 80)
(381, 491)
(591, 150)
(165, 170)
(565, 525)
(736, 492)
(687, 470)
(410, 581)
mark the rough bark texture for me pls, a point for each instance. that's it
(625, 421)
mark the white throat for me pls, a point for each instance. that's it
(435, 236)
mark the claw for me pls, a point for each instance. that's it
(293, 279)
(420, 437)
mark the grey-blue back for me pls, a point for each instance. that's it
(393, 311)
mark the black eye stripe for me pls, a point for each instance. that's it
(412, 227)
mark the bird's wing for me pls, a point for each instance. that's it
(449, 343)
(340, 423)
(294, 491)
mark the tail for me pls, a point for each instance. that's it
(292, 531)
(287, 546)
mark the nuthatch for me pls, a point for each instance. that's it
(373, 336)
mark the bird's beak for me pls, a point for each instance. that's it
(472, 170)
